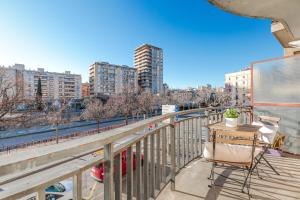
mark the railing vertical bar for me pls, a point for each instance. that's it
(249, 117)
(178, 145)
(164, 155)
(188, 141)
(146, 169)
(221, 116)
(118, 177)
(207, 124)
(158, 165)
(138, 171)
(77, 186)
(239, 117)
(129, 173)
(41, 195)
(200, 140)
(108, 171)
(173, 161)
(197, 137)
(152, 166)
(192, 138)
(184, 141)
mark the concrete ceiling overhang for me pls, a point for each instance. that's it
(285, 15)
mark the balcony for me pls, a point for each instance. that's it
(163, 161)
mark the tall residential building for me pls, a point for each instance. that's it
(148, 60)
(238, 84)
(85, 90)
(110, 79)
(54, 85)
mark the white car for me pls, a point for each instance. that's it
(57, 191)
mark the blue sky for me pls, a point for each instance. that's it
(200, 41)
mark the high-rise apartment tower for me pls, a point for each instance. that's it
(148, 60)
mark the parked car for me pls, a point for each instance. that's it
(56, 191)
(97, 171)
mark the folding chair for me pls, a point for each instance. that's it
(234, 149)
(267, 136)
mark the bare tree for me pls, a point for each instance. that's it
(126, 103)
(95, 110)
(202, 98)
(223, 98)
(145, 102)
(10, 95)
(170, 98)
(56, 116)
(111, 109)
(211, 98)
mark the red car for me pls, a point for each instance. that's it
(97, 171)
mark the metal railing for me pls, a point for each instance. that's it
(153, 156)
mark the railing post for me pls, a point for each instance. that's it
(251, 114)
(197, 137)
(200, 139)
(173, 161)
(146, 168)
(129, 173)
(158, 166)
(240, 116)
(138, 171)
(188, 141)
(152, 166)
(41, 194)
(108, 172)
(194, 129)
(118, 177)
(184, 142)
(207, 124)
(178, 143)
(77, 186)
(164, 155)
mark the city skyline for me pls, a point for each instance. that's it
(58, 41)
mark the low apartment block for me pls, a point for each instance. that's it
(238, 85)
(110, 79)
(54, 85)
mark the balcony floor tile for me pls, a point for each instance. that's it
(192, 182)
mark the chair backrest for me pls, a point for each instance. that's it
(240, 137)
(232, 146)
(270, 119)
